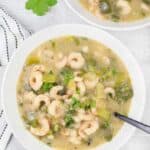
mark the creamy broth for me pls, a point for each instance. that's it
(118, 10)
(68, 90)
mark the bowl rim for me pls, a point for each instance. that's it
(109, 25)
(27, 43)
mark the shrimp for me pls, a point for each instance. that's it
(83, 116)
(88, 128)
(61, 62)
(76, 60)
(43, 129)
(125, 7)
(91, 80)
(54, 92)
(36, 80)
(40, 68)
(39, 99)
(56, 109)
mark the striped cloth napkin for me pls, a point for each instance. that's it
(11, 35)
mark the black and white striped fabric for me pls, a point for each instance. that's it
(11, 35)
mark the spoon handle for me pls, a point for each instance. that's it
(135, 123)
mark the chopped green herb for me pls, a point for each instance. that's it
(34, 123)
(46, 86)
(88, 104)
(108, 137)
(67, 75)
(107, 73)
(92, 65)
(75, 103)
(68, 120)
(105, 125)
(78, 91)
(76, 40)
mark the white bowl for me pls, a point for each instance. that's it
(14, 68)
(76, 7)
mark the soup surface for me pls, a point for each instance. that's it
(118, 10)
(68, 90)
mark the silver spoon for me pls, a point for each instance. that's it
(133, 122)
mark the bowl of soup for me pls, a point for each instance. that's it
(113, 15)
(64, 84)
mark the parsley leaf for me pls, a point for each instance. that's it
(67, 74)
(46, 86)
(68, 120)
(40, 7)
(75, 103)
(89, 104)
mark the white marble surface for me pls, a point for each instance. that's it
(137, 41)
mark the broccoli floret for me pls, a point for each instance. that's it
(123, 91)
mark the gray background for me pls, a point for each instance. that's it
(137, 41)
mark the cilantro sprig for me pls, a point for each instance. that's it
(40, 7)
(67, 75)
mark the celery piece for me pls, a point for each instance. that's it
(104, 113)
(56, 128)
(32, 60)
(71, 85)
(50, 77)
(100, 91)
